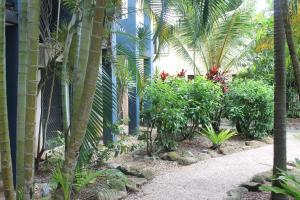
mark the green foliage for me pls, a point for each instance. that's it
(203, 98)
(166, 113)
(249, 105)
(178, 107)
(217, 139)
(290, 184)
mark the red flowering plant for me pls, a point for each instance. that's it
(181, 74)
(164, 75)
(217, 76)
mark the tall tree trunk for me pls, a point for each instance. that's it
(5, 156)
(81, 118)
(290, 42)
(280, 97)
(21, 107)
(65, 78)
(32, 85)
(80, 70)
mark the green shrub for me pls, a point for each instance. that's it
(217, 139)
(204, 99)
(178, 107)
(166, 113)
(249, 105)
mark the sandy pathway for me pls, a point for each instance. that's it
(210, 179)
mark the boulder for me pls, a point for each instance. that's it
(131, 186)
(138, 181)
(171, 156)
(112, 165)
(268, 140)
(204, 156)
(226, 150)
(258, 179)
(187, 160)
(253, 143)
(213, 154)
(237, 192)
(111, 194)
(136, 171)
(251, 186)
(116, 184)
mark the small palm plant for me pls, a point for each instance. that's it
(217, 139)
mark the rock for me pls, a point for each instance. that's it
(45, 189)
(253, 143)
(258, 179)
(251, 186)
(148, 174)
(232, 198)
(238, 192)
(138, 181)
(246, 148)
(267, 176)
(226, 150)
(150, 158)
(171, 156)
(213, 154)
(135, 171)
(204, 156)
(111, 194)
(268, 140)
(116, 184)
(187, 160)
(131, 186)
(112, 165)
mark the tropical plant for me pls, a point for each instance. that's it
(217, 139)
(289, 184)
(80, 120)
(6, 165)
(249, 105)
(214, 32)
(280, 157)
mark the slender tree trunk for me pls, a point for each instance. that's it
(4, 131)
(280, 97)
(291, 44)
(80, 70)
(32, 85)
(65, 80)
(81, 118)
(21, 107)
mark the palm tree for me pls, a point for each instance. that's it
(80, 70)
(80, 119)
(22, 76)
(32, 85)
(4, 132)
(280, 97)
(214, 32)
(290, 42)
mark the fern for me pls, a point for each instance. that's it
(84, 177)
(217, 139)
(290, 184)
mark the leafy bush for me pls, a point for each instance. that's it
(249, 105)
(178, 107)
(290, 184)
(166, 113)
(217, 139)
(203, 98)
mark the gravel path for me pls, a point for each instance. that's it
(210, 179)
